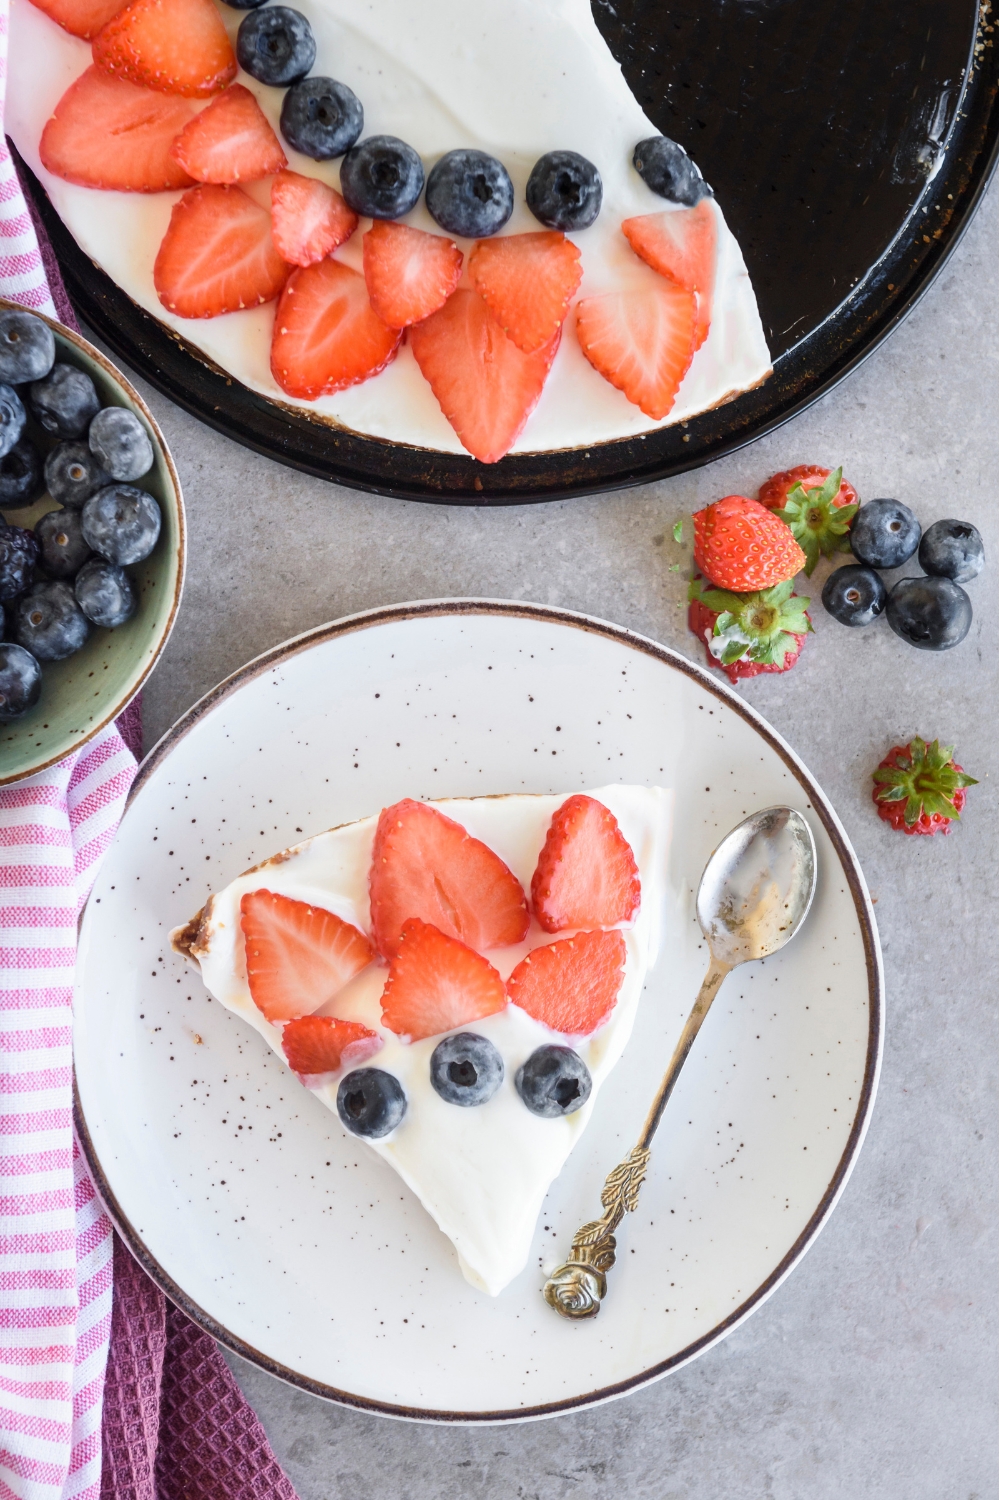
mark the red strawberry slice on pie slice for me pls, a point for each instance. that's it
(586, 874)
(297, 956)
(83, 18)
(106, 133)
(308, 219)
(174, 46)
(641, 340)
(326, 336)
(409, 274)
(230, 141)
(571, 986)
(317, 1046)
(486, 386)
(217, 255)
(436, 983)
(426, 865)
(682, 244)
(527, 281)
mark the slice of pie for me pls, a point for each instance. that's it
(455, 980)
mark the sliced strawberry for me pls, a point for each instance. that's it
(106, 133)
(586, 874)
(308, 219)
(230, 141)
(426, 865)
(436, 983)
(298, 956)
(572, 986)
(80, 17)
(320, 1045)
(409, 274)
(486, 386)
(174, 46)
(642, 341)
(326, 336)
(682, 244)
(527, 281)
(217, 255)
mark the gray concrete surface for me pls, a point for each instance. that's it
(871, 1373)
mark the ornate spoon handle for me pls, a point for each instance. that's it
(577, 1288)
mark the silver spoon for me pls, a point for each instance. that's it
(753, 897)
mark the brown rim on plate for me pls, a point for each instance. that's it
(67, 335)
(866, 920)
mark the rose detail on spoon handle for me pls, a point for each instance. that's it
(577, 1288)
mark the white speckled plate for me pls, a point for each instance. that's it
(290, 1241)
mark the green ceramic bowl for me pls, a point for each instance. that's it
(85, 692)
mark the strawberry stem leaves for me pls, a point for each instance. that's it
(760, 626)
(925, 777)
(818, 525)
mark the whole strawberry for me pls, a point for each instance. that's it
(746, 635)
(817, 506)
(920, 788)
(742, 546)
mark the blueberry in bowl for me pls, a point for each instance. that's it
(469, 193)
(564, 191)
(885, 534)
(381, 177)
(18, 557)
(72, 473)
(22, 480)
(854, 595)
(120, 443)
(276, 45)
(321, 118)
(933, 614)
(20, 681)
(27, 347)
(668, 171)
(121, 523)
(65, 402)
(466, 1069)
(49, 623)
(12, 419)
(952, 549)
(62, 550)
(105, 594)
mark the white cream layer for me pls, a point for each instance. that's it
(515, 78)
(481, 1173)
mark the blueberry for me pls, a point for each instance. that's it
(65, 401)
(104, 593)
(12, 419)
(49, 623)
(27, 347)
(20, 682)
(952, 549)
(371, 1102)
(933, 614)
(72, 474)
(469, 193)
(382, 177)
(62, 549)
(120, 443)
(668, 171)
(18, 556)
(854, 595)
(276, 45)
(321, 118)
(245, 4)
(554, 1081)
(121, 523)
(21, 481)
(884, 534)
(466, 1069)
(564, 191)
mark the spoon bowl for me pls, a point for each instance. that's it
(758, 886)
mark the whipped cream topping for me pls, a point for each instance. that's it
(482, 1172)
(516, 78)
